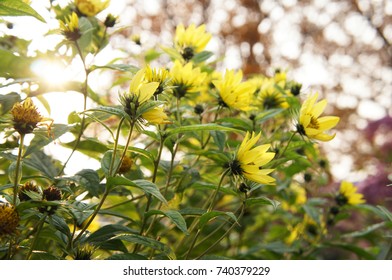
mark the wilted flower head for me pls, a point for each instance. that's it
(248, 161)
(186, 78)
(91, 7)
(25, 117)
(70, 28)
(233, 92)
(191, 40)
(348, 195)
(311, 124)
(26, 188)
(9, 219)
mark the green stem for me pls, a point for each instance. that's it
(225, 234)
(288, 143)
(106, 193)
(212, 203)
(125, 148)
(115, 147)
(82, 123)
(39, 228)
(17, 175)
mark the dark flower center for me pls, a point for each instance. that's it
(235, 167)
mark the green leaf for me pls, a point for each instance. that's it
(118, 111)
(268, 114)
(119, 67)
(81, 211)
(174, 216)
(202, 56)
(42, 255)
(43, 163)
(106, 161)
(14, 66)
(198, 127)
(18, 8)
(60, 224)
(146, 186)
(219, 139)
(89, 179)
(91, 147)
(148, 242)
(205, 218)
(313, 213)
(364, 231)
(106, 232)
(142, 152)
(262, 200)
(86, 29)
(126, 256)
(12, 172)
(361, 253)
(43, 138)
(7, 101)
(240, 124)
(386, 212)
(151, 55)
(173, 53)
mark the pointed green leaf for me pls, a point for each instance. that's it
(43, 137)
(262, 200)
(174, 216)
(205, 218)
(202, 56)
(18, 8)
(126, 256)
(148, 242)
(198, 127)
(146, 186)
(89, 179)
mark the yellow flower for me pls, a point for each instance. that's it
(70, 28)
(297, 198)
(191, 40)
(186, 78)
(233, 92)
(142, 91)
(348, 195)
(25, 117)
(161, 76)
(91, 7)
(156, 116)
(249, 161)
(310, 124)
(310, 230)
(136, 102)
(270, 97)
(9, 219)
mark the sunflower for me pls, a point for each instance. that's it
(26, 117)
(91, 7)
(348, 195)
(248, 161)
(9, 219)
(136, 102)
(161, 76)
(311, 124)
(234, 93)
(70, 27)
(186, 79)
(192, 40)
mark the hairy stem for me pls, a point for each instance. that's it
(17, 175)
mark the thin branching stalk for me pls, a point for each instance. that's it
(34, 242)
(18, 162)
(210, 207)
(115, 147)
(224, 235)
(83, 121)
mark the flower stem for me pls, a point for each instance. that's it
(83, 121)
(115, 147)
(225, 234)
(39, 228)
(17, 175)
(106, 193)
(288, 143)
(212, 203)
